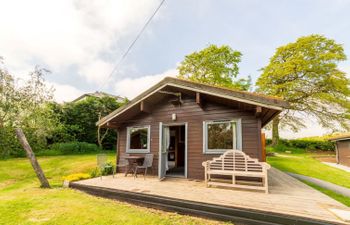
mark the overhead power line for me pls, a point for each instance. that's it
(116, 67)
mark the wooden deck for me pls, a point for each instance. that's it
(287, 195)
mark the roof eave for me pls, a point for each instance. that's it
(118, 111)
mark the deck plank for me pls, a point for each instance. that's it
(286, 194)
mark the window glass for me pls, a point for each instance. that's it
(138, 138)
(220, 135)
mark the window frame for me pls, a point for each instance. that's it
(237, 133)
(132, 151)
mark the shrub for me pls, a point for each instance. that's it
(74, 147)
(307, 144)
(107, 169)
(10, 146)
(95, 172)
(77, 176)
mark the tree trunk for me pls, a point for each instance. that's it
(30, 154)
(101, 138)
(275, 131)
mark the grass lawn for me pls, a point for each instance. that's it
(301, 162)
(22, 202)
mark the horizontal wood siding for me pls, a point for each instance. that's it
(343, 148)
(194, 115)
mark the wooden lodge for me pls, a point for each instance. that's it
(184, 123)
(342, 149)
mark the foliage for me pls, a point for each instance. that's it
(23, 103)
(75, 147)
(23, 203)
(107, 169)
(79, 120)
(77, 176)
(304, 143)
(28, 104)
(95, 172)
(214, 65)
(305, 73)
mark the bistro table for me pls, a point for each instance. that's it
(133, 162)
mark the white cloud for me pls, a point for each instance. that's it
(64, 92)
(98, 71)
(131, 87)
(65, 33)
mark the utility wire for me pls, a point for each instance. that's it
(116, 67)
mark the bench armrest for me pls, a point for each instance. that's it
(266, 165)
(205, 163)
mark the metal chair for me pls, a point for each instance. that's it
(147, 163)
(122, 162)
(102, 163)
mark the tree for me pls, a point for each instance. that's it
(305, 73)
(24, 105)
(215, 66)
(79, 119)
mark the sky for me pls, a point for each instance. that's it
(80, 42)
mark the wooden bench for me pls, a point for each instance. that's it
(235, 163)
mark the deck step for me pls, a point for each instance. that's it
(234, 214)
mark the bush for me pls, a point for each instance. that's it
(107, 169)
(77, 176)
(10, 146)
(307, 144)
(74, 147)
(95, 173)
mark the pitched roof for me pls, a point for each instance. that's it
(241, 96)
(98, 94)
(344, 136)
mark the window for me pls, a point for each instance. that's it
(138, 139)
(220, 136)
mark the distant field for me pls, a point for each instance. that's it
(22, 202)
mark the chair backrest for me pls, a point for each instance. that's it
(148, 161)
(123, 160)
(101, 160)
(237, 160)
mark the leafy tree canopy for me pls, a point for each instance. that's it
(305, 73)
(214, 65)
(25, 106)
(79, 119)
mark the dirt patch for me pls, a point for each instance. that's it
(286, 156)
(7, 183)
(325, 157)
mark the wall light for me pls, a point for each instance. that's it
(173, 116)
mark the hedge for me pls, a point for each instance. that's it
(74, 147)
(306, 144)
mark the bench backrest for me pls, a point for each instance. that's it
(236, 160)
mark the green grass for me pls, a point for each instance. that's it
(22, 202)
(306, 164)
(301, 162)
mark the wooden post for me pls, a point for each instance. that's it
(263, 147)
(30, 154)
